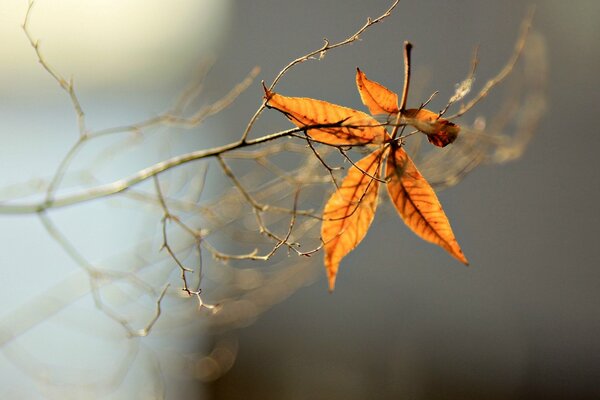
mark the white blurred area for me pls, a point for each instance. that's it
(110, 42)
(128, 60)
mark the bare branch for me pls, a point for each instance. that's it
(125, 183)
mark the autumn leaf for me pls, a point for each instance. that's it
(417, 203)
(349, 212)
(380, 100)
(337, 125)
(440, 132)
(377, 98)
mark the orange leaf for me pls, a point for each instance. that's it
(349, 212)
(338, 125)
(417, 203)
(440, 132)
(377, 98)
(380, 100)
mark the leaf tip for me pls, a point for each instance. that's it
(461, 257)
(331, 276)
(359, 77)
(331, 286)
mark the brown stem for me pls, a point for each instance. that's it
(407, 50)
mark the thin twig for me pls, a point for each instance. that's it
(343, 153)
(322, 161)
(146, 330)
(505, 71)
(463, 88)
(196, 234)
(173, 117)
(371, 182)
(67, 86)
(320, 51)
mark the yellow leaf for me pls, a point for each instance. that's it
(349, 212)
(336, 125)
(417, 203)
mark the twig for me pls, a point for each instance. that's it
(146, 330)
(256, 207)
(173, 117)
(463, 88)
(504, 72)
(343, 153)
(229, 173)
(67, 86)
(322, 161)
(423, 105)
(193, 89)
(362, 196)
(167, 216)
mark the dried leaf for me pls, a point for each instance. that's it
(418, 204)
(377, 98)
(440, 132)
(337, 125)
(380, 100)
(350, 211)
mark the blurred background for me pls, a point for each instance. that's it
(406, 320)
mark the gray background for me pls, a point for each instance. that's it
(406, 321)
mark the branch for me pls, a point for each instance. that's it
(125, 183)
(121, 185)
